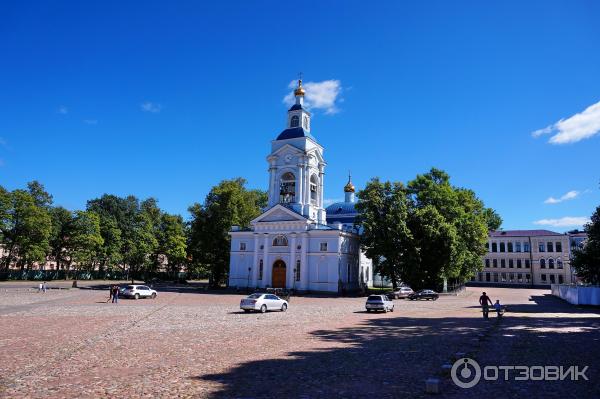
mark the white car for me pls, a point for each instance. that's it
(379, 302)
(262, 303)
(138, 291)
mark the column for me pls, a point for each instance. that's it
(299, 188)
(254, 280)
(273, 194)
(304, 267)
(292, 281)
(266, 266)
(306, 182)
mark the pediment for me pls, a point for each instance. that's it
(287, 149)
(279, 213)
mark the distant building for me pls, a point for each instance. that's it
(526, 258)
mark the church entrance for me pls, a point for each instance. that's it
(279, 274)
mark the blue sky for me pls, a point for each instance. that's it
(165, 99)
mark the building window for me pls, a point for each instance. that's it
(519, 263)
(502, 247)
(518, 246)
(527, 277)
(552, 279)
(287, 188)
(323, 247)
(558, 247)
(560, 279)
(495, 277)
(550, 247)
(503, 277)
(495, 262)
(297, 270)
(487, 246)
(525, 247)
(487, 277)
(511, 263)
(502, 263)
(519, 277)
(295, 121)
(280, 241)
(510, 247)
(526, 263)
(487, 263)
(260, 269)
(559, 264)
(550, 263)
(313, 189)
(542, 263)
(494, 247)
(543, 277)
(511, 278)
(541, 247)
(242, 246)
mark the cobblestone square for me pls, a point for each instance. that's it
(193, 343)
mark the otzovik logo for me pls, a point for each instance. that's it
(468, 377)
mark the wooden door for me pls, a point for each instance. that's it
(279, 274)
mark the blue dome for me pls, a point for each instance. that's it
(293, 133)
(342, 208)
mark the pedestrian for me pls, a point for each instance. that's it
(110, 292)
(40, 287)
(498, 308)
(115, 295)
(44, 287)
(484, 300)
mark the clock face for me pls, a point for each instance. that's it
(288, 158)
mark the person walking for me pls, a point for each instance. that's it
(115, 294)
(110, 292)
(40, 287)
(44, 287)
(485, 301)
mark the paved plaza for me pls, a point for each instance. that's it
(194, 343)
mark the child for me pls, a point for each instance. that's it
(498, 308)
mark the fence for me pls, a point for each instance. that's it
(577, 294)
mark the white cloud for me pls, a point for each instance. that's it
(319, 95)
(151, 107)
(63, 110)
(90, 121)
(568, 196)
(575, 128)
(567, 221)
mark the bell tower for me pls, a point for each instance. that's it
(296, 165)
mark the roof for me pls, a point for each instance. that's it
(293, 133)
(523, 233)
(295, 107)
(342, 208)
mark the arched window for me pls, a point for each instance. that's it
(287, 188)
(550, 263)
(542, 263)
(295, 121)
(314, 184)
(559, 264)
(280, 241)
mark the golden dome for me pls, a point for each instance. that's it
(299, 90)
(349, 187)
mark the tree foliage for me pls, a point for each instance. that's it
(424, 232)
(493, 219)
(227, 204)
(586, 260)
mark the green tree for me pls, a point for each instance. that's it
(62, 224)
(85, 240)
(26, 226)
(493, 219)
(227, 204)
(586, 260)
(386, 237)
(172, 242)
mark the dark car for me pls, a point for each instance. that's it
(424, 294)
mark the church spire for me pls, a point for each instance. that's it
(299, 92)
(349, 189)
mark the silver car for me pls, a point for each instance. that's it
(379, 303)
(262, 303)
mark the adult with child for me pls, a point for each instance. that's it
(485, 301)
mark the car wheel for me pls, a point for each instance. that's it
(246, 310)
(384, 310)
(136, 296)
(435, 299)
(263, 309)
(153, 296)
(283, 307)
(368, 310)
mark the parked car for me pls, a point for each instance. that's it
(262, 302)
(424, 294)
(379, 302)
(138, 291)
(401, 292)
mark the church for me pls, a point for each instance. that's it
(297, 242)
